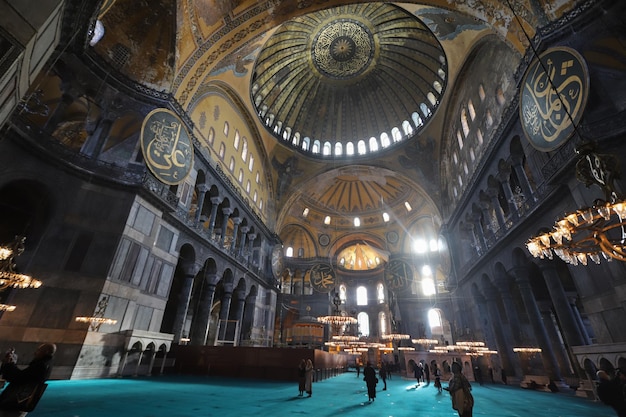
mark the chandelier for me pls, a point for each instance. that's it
(8, 276)
(425, 341)
(594, 232)
(395, 336)
(98, 319)
(527, 350)
(339, 318)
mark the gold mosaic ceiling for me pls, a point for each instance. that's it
(346, 74)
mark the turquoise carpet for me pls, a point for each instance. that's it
(344, 395)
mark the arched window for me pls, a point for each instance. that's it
(231, 165)
(361, 296)
(407, 128)
(361, 149)
(338, 149)
(236, 141)
(395, 133)
(342, 293)
(211, 136)
(289, 252)
(306, 143)
(382, 323)
(373, 144)
(244, 149)
(226, 128)
(384, 140)
(434, 321)
(349, 148)
(364, 324)
(327, 148)
(380, 293)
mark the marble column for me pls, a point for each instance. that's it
(504, 176)
(521, 274)
(226, 212)
(183, 299)
(225, 310)
(248, 316)
(560, 302)
(215, 202)
(510, 361)
(502, 280)
(233, 243)
(202, 190)
(522, 177)
(202, 316)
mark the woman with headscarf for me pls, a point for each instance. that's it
(308, 378)
(459, 388)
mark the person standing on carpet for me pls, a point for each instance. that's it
(459, 388)
(383, 374)
(308, 377)
(301, 377)
(369, 376)
(23, 381)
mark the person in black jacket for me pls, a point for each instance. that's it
(38, 371)
(369, 376)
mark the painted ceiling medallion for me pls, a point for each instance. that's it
(343, 49)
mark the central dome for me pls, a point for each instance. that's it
(349, 81)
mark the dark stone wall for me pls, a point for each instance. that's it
(253, 362)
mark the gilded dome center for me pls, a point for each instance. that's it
(343, 49)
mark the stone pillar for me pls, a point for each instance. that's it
(565, 316)
(225, 309)
(152, 358)
(503, 176)
(510, 361)
(485, 207)
(242, 241)
(202, 190)
(163, 362)
(138, 363)
(493, 194)
(183, 298)
(547, 354)
(238, 313)
(522, 178)
(227, 212)
(502, 280)
(202, 317)
(579, 320)
(120, 372)
(555, 339)
(248, 317)
(236, 221)
(215, 202)
(251, 237)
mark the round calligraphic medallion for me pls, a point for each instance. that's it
(166, 146)
(553, 97)
(398, 275)
(278, 263)
(322, 278)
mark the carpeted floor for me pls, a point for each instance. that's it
(344, 395)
